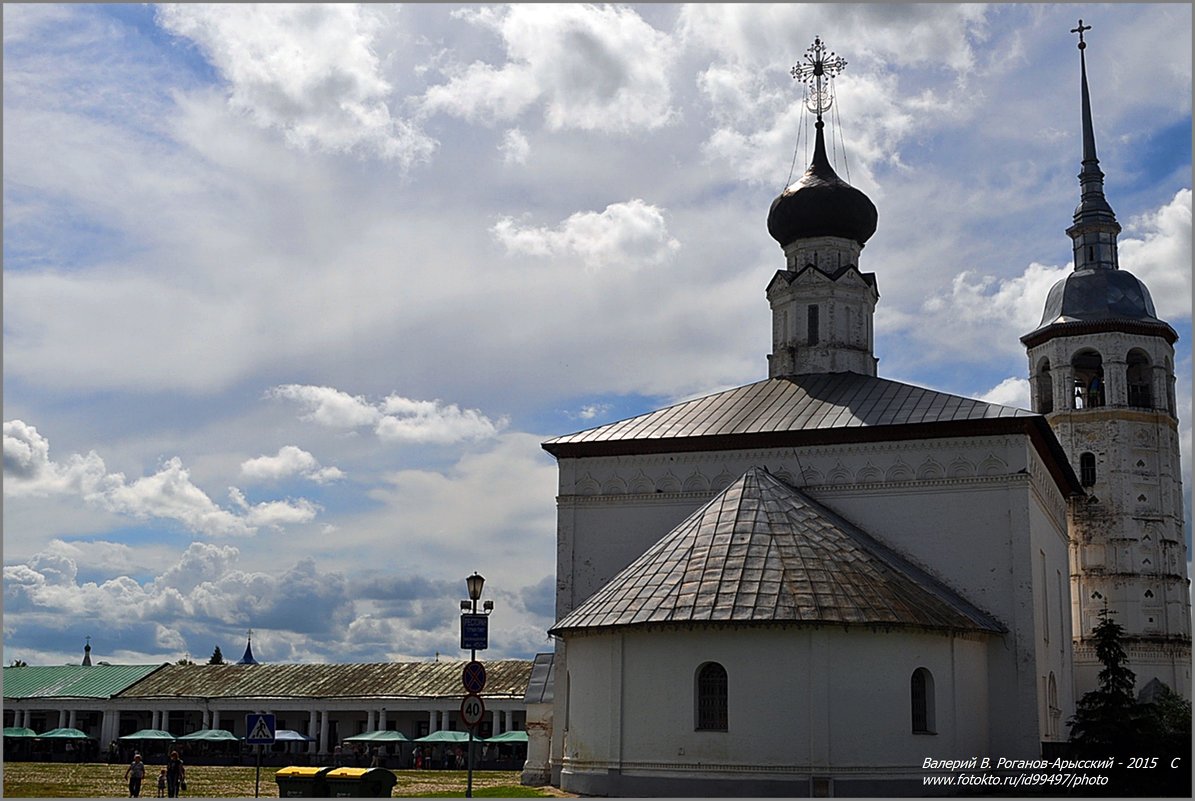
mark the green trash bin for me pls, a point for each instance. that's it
(360, 783)
(302, 782)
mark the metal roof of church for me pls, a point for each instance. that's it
(813, 402)
(504, 678)
(815, 409)
(764, 552)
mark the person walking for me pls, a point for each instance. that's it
(176, 775)
(135, 772)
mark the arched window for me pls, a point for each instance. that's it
(711, 697)
(1138, 376)
(1054, 711)
(1087, 469)
(812, 326)
(1045, 388)
(1170, 407)
(1089, 379)
(921, 692)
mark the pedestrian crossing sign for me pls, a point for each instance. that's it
(259, 728)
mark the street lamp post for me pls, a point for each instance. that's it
(474, 584)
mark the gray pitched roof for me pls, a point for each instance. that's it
(817, 401)
(762, 551)
(815, 409)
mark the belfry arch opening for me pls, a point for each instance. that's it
(1045, 388)
(1137, 378)
(1088, 368)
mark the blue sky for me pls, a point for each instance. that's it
(292, 295)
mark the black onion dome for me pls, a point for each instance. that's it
(821, 204)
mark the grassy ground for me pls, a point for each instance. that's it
(101, 780)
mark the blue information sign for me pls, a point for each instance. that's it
(259, 728)
(475, 632)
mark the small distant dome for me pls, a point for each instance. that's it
(821, 204)
(1098, 294)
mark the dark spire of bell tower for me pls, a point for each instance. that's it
(1095, 227)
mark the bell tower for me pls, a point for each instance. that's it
(1101, 367)
(822, 305)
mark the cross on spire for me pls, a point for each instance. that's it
(1079, 30)
(818, 67)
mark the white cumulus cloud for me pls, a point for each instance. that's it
(1157, 250)
(409, 420)
(308, 70)
(394, 419)
(28, 469)
(290, 461)
(592, 67)
(167, 494)
(329, 407)
(514, 147)
(631, 234)
(1009, 392)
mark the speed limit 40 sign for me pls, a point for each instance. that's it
(472, 710)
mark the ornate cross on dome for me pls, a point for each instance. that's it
(818, 67)
(1079, 30)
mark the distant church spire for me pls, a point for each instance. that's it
(87, 651)
(248, 659)
(1095, 227)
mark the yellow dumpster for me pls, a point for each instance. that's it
(302, 782)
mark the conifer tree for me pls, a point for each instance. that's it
(1107, 719)
(217, 657)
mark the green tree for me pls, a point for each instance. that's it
(1166, 735)
(1107, 720)
(217, 657)
(1150, 742)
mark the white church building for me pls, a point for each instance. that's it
(811, 584)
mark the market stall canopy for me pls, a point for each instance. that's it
(63, 734)
(211, 736)
(291, 736)
(19, 731)
(384, 736)
(446, 737)
(147, 734)
(508, 737)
